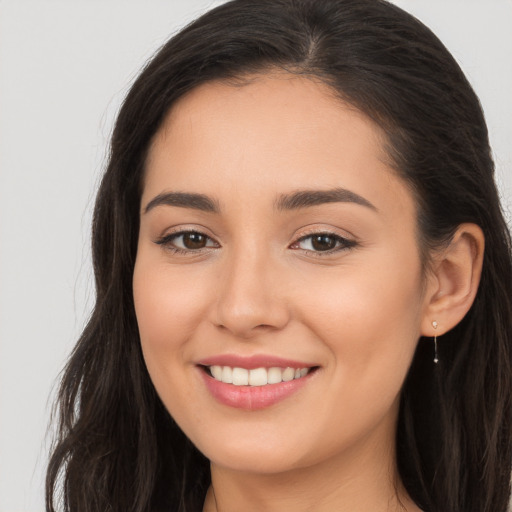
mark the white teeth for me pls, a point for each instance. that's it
(288, 374)
(257, 376)
(216, 372)
(227, 374)
(240, 376)
(275, 375)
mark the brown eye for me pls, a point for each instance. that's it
(194, 240)
(323, 242)
(187, 241)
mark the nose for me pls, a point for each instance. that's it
(250, 297)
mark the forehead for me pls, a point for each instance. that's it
(277, 108)
(270, 135)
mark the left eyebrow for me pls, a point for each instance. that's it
(308, 198)
(184, 200)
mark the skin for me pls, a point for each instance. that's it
(259, 287)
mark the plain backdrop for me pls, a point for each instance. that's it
(64, 68)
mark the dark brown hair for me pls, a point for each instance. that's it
(117, 447)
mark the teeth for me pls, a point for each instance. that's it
(256, 377)
(240, 377)
(216, 372)
(288, 374)
(227, 374)
(275, 375)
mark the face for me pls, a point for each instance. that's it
(276, 246)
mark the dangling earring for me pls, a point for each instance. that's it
(436, 359)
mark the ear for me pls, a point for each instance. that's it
(453, 280)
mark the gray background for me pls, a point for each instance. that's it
(64, 68)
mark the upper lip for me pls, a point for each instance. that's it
(252, 362)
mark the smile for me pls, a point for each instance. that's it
(256, 376)
(254, 383)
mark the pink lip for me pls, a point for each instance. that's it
(252, 398)
(252, 362)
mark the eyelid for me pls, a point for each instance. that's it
(318, 229)
(187, 228)
(166, 239)
(345, 240)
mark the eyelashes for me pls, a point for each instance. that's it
(320, 243)
(187, 241)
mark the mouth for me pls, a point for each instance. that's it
(254, 383)
(256, 377)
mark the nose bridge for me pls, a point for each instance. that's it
(248, 295)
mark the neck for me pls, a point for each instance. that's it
(357, 480)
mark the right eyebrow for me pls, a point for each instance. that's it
(184, 200)
(308, 198)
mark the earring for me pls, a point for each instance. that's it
(436, 359)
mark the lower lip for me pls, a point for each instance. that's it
(252, 398)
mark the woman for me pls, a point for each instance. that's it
(303, 278)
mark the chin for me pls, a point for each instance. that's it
(249, 453)
(257, 461)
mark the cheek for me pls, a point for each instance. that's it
(168, 307)
(169, 304)
(374, 313)
(168, 300)
(375, 291)
(369, 318)
(369, 321)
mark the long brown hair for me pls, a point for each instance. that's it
(117, 448)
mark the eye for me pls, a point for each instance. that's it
(323, 242)
(186, 241)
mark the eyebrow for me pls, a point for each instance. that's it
(184, 200)
(293, 201)
(308, 198)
